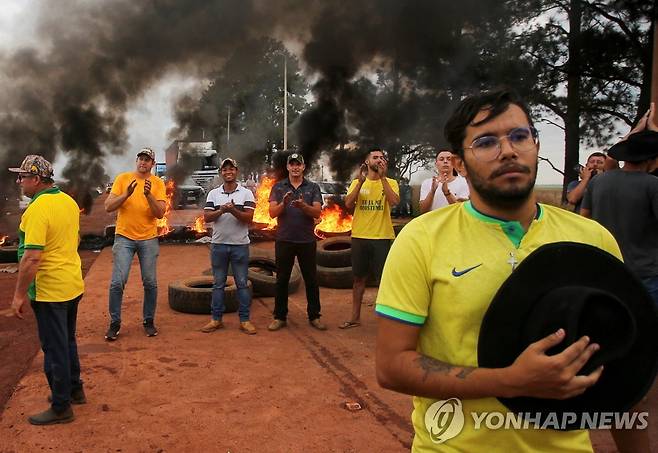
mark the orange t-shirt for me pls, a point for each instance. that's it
(134, 219)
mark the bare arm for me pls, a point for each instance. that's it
(576, 194)
(113, 202)
(401, 368)
(210, 216)
(391, 197)
(633, 440)
(277, 208)
(586, 213)
(350, 199)
(157, 207)
(313, 210)
(27, 270)
(426, 204)
(245, 216)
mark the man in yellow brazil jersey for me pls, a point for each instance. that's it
(140, 200)
(443, 271)
(50, 279)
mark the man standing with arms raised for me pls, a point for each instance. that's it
(371, 196)
(296, 202)
(140, 199)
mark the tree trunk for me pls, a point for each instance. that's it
(572, 120)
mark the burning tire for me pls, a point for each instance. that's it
(335, 252)
(335, 277)
(262, 275)
(9, 254)
(193, 295)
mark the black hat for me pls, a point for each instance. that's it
(586, 291)
(296, 157)
(637, 147)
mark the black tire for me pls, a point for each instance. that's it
(9, 254)
(335, 277)
(194, 294)
(335, 252)
(262, 275)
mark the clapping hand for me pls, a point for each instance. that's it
(287, 197)
(131, 188)
(298, 203)
(147, 187)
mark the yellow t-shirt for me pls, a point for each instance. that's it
(441, 274)
(51, 223)
(134, 219)
(372, 213)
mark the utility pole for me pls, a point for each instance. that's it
(285, 103)
(228, 126)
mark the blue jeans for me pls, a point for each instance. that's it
(123, 251)
(56, 322)
(238, 257)
(651, 284)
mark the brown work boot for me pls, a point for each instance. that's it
(248, 328)
(276, 325)
(212, 326)
(318, 324)
(50, 417)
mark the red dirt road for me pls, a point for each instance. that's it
(188, 391)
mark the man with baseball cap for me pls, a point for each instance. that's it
(140, 199)
(296, 202)
(230, 208)
(50, 279)
(625, 201)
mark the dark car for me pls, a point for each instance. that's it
(189, 193)
(332, 192)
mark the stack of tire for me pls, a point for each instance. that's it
(8, 254)
(334, 262)
(194, 294)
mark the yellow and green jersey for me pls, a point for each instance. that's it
(51, 223)
(372, 213)
(441, 275)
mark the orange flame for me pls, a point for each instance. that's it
(333, 220)
(262, 211)
(3, 239)
(199, 225)
(163, 223)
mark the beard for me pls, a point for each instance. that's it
(503, 197)
(374, 167)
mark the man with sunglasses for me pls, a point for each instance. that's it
(50, 279)
(371, 196)
(444, 269)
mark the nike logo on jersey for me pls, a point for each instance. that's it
(456, 273)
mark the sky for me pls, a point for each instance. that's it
(150, 117)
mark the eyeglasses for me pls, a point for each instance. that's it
(489, 147)
(22, 177)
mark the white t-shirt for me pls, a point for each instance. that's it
(227, 229)
(458, 187)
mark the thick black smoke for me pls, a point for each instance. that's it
(96, 59)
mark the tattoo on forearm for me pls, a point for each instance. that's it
(430, 365)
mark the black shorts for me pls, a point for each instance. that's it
(369, 256)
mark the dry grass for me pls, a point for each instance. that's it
(550, 195)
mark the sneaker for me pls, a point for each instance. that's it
(113, 331)
(149, 328)
(276, 325)
(317, 324)
(212, 326)
(77, 397)
(50, 417)
(248, 328)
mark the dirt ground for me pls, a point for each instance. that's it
(189, 391)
